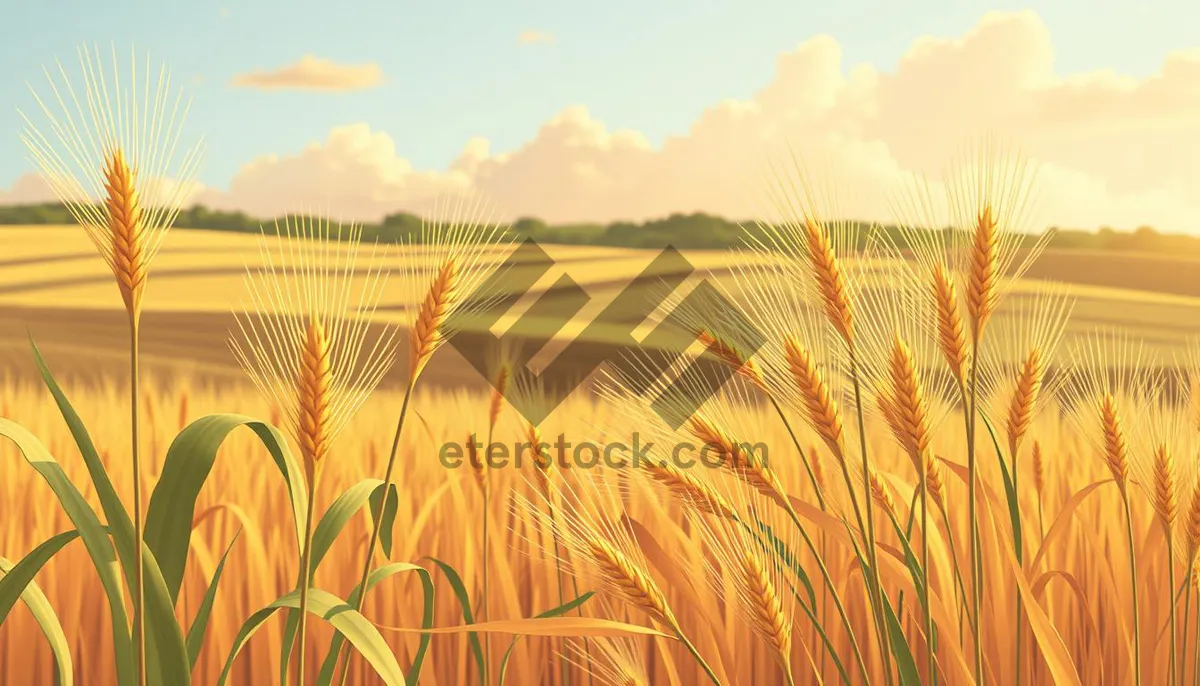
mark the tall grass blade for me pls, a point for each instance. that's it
(553, 612)
(464, 602)
(195, 636)
(388, 518)
(166, 650)
(360, 632)
(905, 664)
(43, 614)
(94, 535)
(185, 470)
(329, 664)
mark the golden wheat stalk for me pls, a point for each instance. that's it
(115, 140)
(443, 274)
(304, 339)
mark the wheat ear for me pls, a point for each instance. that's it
(831, 283)
(629, 582)
(983, 273)
(881, 494)
(824, 415)
(907, 406)
(426, 333)
(1192, 525)
(1165, 503)
(316, 379)
(123, 205)
(744, 466)
(730, 354)
(1024, 397)
(690, 490)
(952, 339)
(766, 613)
(1116, 455)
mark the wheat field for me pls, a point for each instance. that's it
(954, 458)
(1069, 514)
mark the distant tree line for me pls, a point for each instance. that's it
(686, 231)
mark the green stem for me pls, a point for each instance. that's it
(696, 654)
(139, 593)
(387, 485)
(1137, 631)
(812, 477)
(872, 554)
(930, 638)
(837, 601)
(305, 582)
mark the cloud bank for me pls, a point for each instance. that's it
(1111, 150)
(313, 73)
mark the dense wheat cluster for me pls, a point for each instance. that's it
(912, 480)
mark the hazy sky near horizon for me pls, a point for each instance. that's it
(623, 109)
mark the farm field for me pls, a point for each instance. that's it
(53, 287)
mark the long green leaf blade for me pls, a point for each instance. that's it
(361, 633)
(93, 533)
(195, 637)
(47, 620)
(166, 651)
(186, 468)
(329, 664)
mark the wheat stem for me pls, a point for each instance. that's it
(874, 585)
(305, 584)
(1171, 586)
(374, 540)
(139, 605)
(1137, 632)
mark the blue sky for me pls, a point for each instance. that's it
(455, 69)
